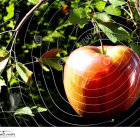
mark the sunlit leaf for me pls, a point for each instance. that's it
(10, 12)
(36, 109)
(41, 109)
(65, 59)
(116, 3)
(100, 5)
(9, 70)
(44, 67)
(24, 73)
(113, 11)
(24, 111)
(52, 62)
(114, 31)
(34, 1)
(4, 57)
(50, 59)
(78, 16)
(102, 17)
(13, 80)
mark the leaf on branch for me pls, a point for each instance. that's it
(102, 17)
(135, 48)
(112, 11)
(44, 67)
(10, 12)
(36, 109)
(100, 5)
(9, 70)
(41, 109)
(4, 57)
(24, 73)
(14, 80)
(51, 53)
(24, 111)
(78, 16)
(116, 3)
(50, 59)
(114, 31)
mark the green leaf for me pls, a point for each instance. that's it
(100, 5)
(44, 67)
(50, 59)
(34, 107)
(4, 57)
(13, 80)
(24, 73)
(112, 11)
(52, 62)
(102, 17)
(114, 32)
(10, 12)
(116, 3)
(135, 48)
(41, 109)
(9, 70)
(65, 59)
(24, 111)
(78, 16)
(3, 53)
(9, 73)
(34, 1)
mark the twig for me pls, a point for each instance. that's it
(100, 38)
(126, 11)
(14, 41)
(132, 15)
(29, 13)
(137, 4)
(8, 31)
(90, 14)
(25, 18)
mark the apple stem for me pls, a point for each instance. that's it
(100, 38)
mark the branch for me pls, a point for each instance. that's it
(15, 37)
(25, 18)
(137, 4)
(8, 31)
(132, 15)
(29, 13)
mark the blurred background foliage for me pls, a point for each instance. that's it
(57, 24)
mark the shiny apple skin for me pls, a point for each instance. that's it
(102, 86)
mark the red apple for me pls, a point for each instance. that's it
(102, 85)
